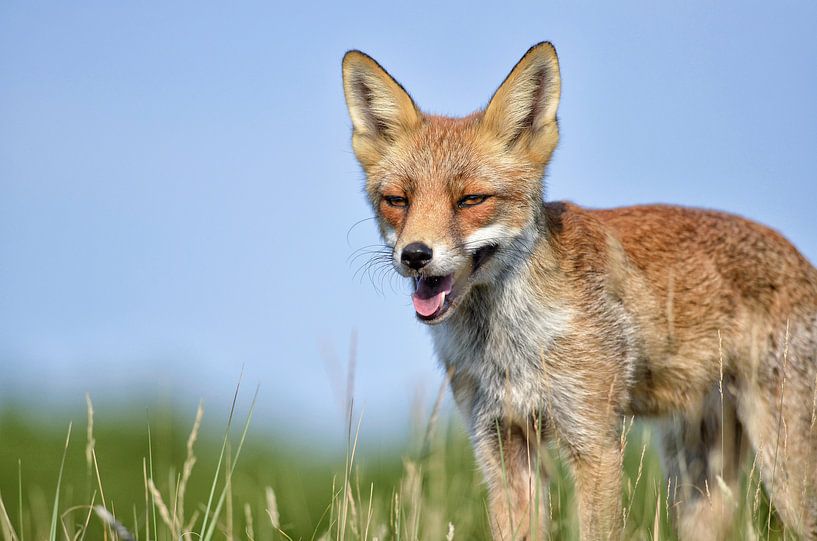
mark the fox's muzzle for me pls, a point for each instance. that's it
(416, 255)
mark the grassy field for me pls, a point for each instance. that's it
(164, 478)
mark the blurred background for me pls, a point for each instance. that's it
(179, 200)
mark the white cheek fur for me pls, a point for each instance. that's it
(389, 235)
(492, 234)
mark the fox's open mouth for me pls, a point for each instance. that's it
(431, 296)
(434, 296)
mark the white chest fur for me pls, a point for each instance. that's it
(499, 340)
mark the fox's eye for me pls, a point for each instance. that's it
(472, 200)
(396, 200)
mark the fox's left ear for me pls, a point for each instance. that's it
(380, 108)
(522, 112)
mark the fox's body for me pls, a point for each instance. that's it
(555, 321)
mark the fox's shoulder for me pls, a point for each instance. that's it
(635, 217)
(658, 237)
(662, 227)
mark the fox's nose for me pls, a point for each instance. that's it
(416, 255)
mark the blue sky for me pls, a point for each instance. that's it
(177, 183)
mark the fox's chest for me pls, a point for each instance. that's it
(498, 347)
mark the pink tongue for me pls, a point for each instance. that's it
(430, 293)
(426, 307)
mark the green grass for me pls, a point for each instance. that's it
(278, 488)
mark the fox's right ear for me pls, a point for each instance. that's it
(380, 108)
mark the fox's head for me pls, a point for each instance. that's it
(457, 199)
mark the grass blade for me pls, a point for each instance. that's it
(209, 533)
(52, 536)
(20, 496)
(220, 457)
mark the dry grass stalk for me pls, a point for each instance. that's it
(751, 476)
(708, 494)
(98, 477)
(411, 488)
(756, 503)
(164, 513)
(395, 512)
(656, 524)
(780, 423)
(351, 507)
(147, 497)
(809, 467)
(188, 528)
(723, 420)
(635, 486)
(729, 496)
(65, 527)
(272, 508)
(720, 392)
(80, 533)
(814, 405)
(369, 512)
(189, 462)
(173, 482)
(91, 443)
(135, 522)
(248, 526)
(8, 530)
(550, 507)
(351, 444)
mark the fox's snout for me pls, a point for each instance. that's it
(416, 255)
(423, 257)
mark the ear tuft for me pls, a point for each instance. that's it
(524, 106)
(378, 105)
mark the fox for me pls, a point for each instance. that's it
(556, 322)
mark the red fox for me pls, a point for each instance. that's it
(555, 321)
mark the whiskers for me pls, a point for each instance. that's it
(353, 226)
(375, 262)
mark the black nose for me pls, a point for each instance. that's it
(416, 255)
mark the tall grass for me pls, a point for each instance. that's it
(129, 482)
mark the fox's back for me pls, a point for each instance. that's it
(701, 288)
(755, 264)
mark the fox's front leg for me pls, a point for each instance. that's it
(597, 470)
(517, 494)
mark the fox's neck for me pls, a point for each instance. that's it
(504, 327)
(520, 290)
(524, 256)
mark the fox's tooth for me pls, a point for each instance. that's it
(442, 299)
